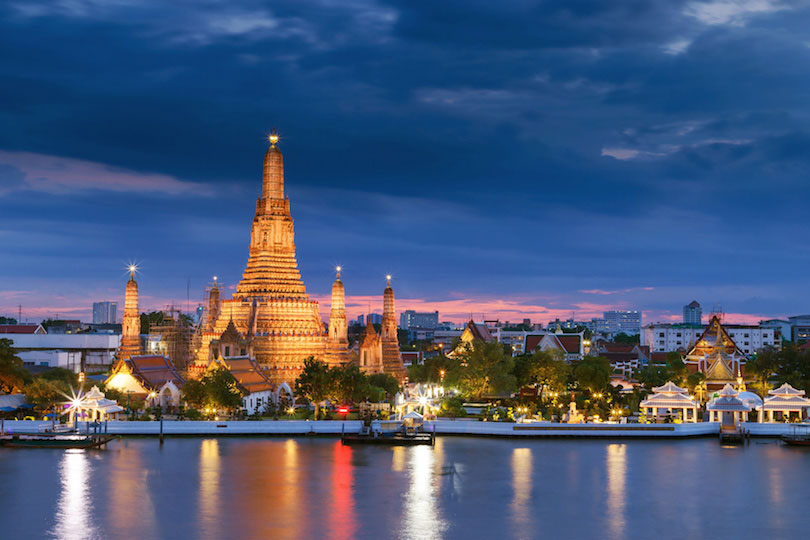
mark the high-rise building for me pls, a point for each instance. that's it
(414, 319)
(623, 322)
(692, 313)
(105, 312)
(373, 318)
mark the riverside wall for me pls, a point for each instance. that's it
(441, 427)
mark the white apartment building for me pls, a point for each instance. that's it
(71, 351)
(672, 337)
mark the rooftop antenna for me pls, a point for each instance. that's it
(19, 314)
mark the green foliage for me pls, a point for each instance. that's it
(652, 376)
(593, 373)
(65, 376)
(148, 319)
(483, 369)
(621, 337)
(431, 370)
(762, 367)
(13, 376)
(44, 394)
(453, 407)
(388, 383)
(315, 382)
(349, 384)
(7, 320)
(547, 369)
(216, 389)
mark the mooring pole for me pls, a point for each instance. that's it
(161, 431)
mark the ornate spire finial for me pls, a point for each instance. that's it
(132, 269)
(273, 137)
(388, 280)
(337, 270)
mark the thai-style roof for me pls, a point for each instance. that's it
(231, 334)
(248, 373)
(728, 401)
(785, 390)
(669, 396)
(785, 398)
(716, 343)
(22, 329)
(719, 369)
(479, 331)
(669, 388)
(568, 343)
(151, 371)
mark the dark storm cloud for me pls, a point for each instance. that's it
(533, 147)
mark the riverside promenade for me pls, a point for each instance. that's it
(442, 427)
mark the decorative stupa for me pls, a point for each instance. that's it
(131, 328)
(391, 357)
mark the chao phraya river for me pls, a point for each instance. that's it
(467, 488)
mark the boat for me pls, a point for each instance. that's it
(797, 438)
(19, 440)
(409, 431)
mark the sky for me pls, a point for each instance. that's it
(525, 159)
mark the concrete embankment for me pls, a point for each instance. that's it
(442, 427)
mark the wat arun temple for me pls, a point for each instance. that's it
(271, 318)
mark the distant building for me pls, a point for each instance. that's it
(414, 319)
(800, 327)
(782, 329)
(692, 313)
(673, 337)
(572, 346)
(105, 312)
(28, 328)
(374, 318)
(622, 322)
(77, 352)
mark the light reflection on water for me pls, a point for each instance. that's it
(209, 488)
(616, 463)
(73, 512)
(422, 516)
(522, 487)
(461, 488)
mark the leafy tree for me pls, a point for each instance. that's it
(430, 371)
(66, 377)
(652, 376)
(550, 371)
(593, 373)
(794, 367)
(387, 382)
(484, 369)
(762, 367)
(222, 390)
(194, 393)
(44, 394)
(7, 320)
(694, 379)
(13, 376)
(677, 367)
(349, 385)
(148, 319)
(315, 382)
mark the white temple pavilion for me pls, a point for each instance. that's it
(783, 400)
(92, 406)
(727, 408)
(673, 399)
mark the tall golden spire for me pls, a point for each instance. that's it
(391, 357)
(131, 327)
(273, 178)
(337, 315)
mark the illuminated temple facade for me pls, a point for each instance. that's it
(271, 317)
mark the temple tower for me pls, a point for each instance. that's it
(131, 328)
(214, 306)
(391, 357)
(369, 357)
(271, 309)
(338, 330)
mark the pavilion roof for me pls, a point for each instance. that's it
(785, 390)
(248, 373)
(153, 371)
(669, 388)
(668, 401)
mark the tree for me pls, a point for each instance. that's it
(484, 369)
(148, 319)
(593, 373)
(13, 376)
(194, 393)
(762, 367)
(652, 376)
(621, 337)
(549, 371)
(349, 384)
(315, 382)
(222, 391)
(66, 377)
(387, 382)
(44, 394)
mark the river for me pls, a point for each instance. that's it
(230, 488)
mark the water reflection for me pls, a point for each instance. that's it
(522, 489)
(342, 518)
(131, 507)
(617, 478)
(73, 519)
(422, 518)
(209, 488)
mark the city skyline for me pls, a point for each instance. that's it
(581, 171)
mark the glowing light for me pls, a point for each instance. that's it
(132, 268)
(291, 410)
(273, 138)
(388, 277)
(215, 278)
(338, 268)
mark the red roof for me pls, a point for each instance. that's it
(570, 342)
(18, 328)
